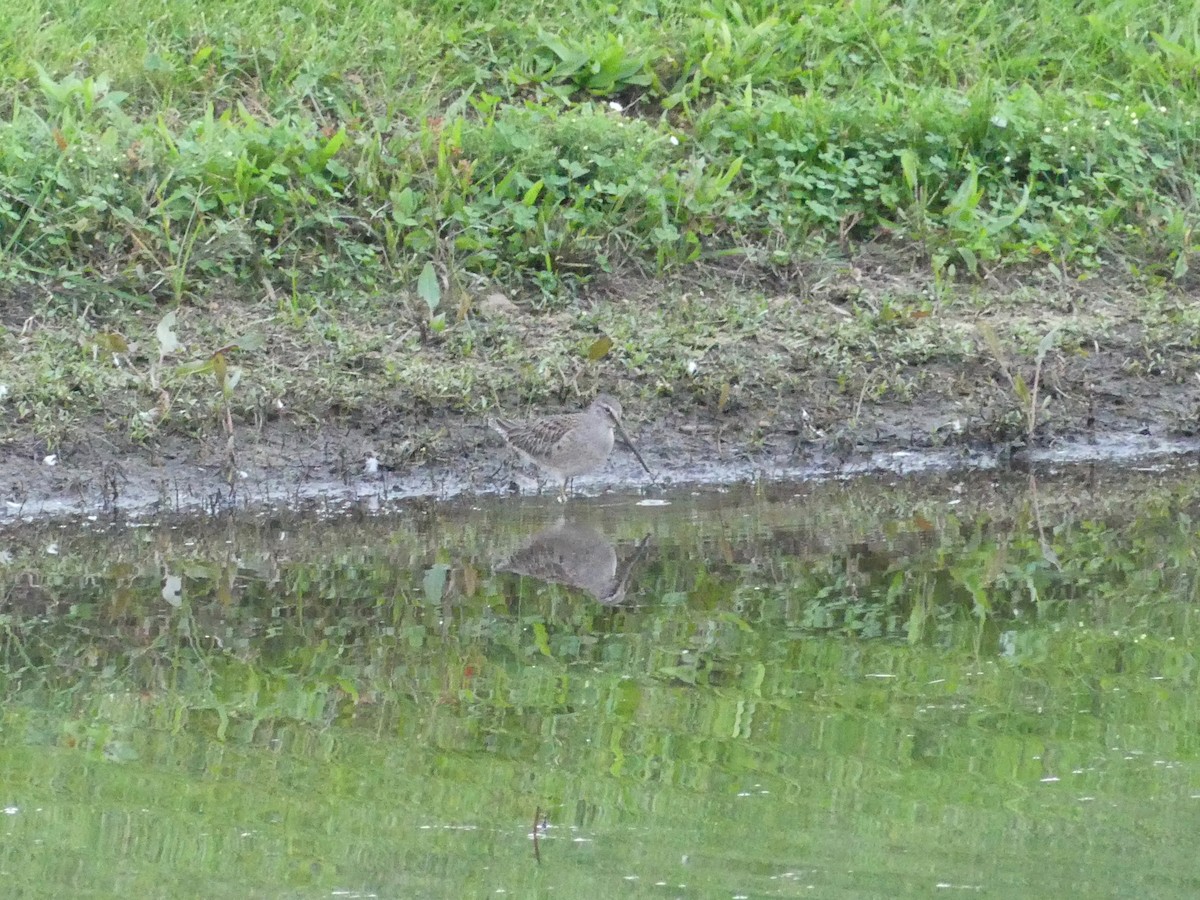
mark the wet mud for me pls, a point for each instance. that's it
(286, 471)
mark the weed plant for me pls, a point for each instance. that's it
(156, 149)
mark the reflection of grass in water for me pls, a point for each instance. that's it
(806, 683)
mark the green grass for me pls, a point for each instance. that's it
(157, 148)
(348, 182)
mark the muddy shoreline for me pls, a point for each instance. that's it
(282, 469)
(866, 368)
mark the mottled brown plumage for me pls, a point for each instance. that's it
(578, 556)
(569, 444)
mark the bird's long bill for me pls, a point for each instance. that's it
(625, 437)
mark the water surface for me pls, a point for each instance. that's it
(840, 689)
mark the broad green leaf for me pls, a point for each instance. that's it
(1181, 265)
(600, 348)
(434, 582)
(1021, 388)
(726, 178)
(112, 342)
(1046, 343)
(220, 368)
(531, 195)
(251, 342)
(201, 367)
(541, 638)
(428, 288)
(988, 333)
(908, 164)
(1004, 222)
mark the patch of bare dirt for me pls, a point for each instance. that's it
(283, 464)
(1114, 384)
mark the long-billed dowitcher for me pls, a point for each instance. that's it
(579, 556)
(572, 443)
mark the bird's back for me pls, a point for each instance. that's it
(568, 444)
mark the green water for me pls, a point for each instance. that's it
(862, 689)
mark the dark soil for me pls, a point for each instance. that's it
(1122, 381)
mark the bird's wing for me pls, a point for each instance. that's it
(536, 435)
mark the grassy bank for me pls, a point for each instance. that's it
(159, 148)
(332, 191)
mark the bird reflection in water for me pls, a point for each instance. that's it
(577, 556)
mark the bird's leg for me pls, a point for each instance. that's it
(562, 494)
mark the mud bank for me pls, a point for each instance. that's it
(283, 471)
(861, 366)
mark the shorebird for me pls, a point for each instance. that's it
(578, 556)
(569, 444)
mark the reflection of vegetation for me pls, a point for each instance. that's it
(864, 647)
(577, 556)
